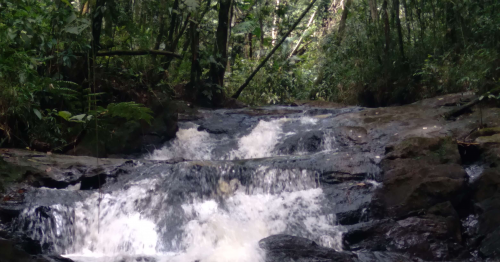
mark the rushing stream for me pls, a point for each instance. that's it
(259, 179)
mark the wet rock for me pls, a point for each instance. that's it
(18, 250)
(490, 247)
(419, 173)
(411, 185)
(431, 150)
(487, 185)
(444, 209)
(486, 193)
(351, 200)
(447, 100)
(385, 257)
(429, 237)
(357, 134)
(369, 236)
(489, 215)
(285, 248)
(57, 171)
(302, 142)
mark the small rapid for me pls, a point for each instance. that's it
(234, 190)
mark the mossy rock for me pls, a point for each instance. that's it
(10, 174)
(494, 139)
(435, 150)
(490, 131)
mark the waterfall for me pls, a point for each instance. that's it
(203, 210)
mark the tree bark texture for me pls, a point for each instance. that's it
(396, 6)
(343, 21)
(218, 69)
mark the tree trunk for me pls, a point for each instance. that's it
(451, 34)
(97, 26)
(395, 4)
(195, 63)
(250, 46)
(218, 69)
(342, 23)
(409, 20)
(274, 31)
(373, 10)
(387, 29)
(161, 30)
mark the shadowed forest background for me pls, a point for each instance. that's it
(73, 68)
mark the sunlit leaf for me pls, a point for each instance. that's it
(64, 114)
(37, 113)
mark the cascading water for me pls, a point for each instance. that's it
(202, 210)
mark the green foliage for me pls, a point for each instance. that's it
(130, 111)
(449, 47)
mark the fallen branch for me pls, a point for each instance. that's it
(134, 53)
(467, 143)
(460, 110)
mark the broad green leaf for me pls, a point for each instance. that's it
(71, 18)
(37, 113)
(64, 114)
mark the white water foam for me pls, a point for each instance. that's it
(261, 141)
(114, 226)
(189, 144)
(212, 231)
(192, 144)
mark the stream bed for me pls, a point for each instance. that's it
(256, 185)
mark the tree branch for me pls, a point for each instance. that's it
(237, 94)
(134, 53)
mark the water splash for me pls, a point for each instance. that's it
(189, 144)
(226, 228)
(260, 142)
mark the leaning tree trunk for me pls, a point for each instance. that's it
(342, 23)
(302, 36)
(247, 81)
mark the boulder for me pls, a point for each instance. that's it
(385, 257)
(57, 171)
(419, 173)
(486, 194)
(429, 237)
(285, 248)
(490, 247)
(487, 185)
(413, 185)
(19, 250)
(369, 236)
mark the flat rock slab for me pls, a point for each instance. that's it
(285, 248)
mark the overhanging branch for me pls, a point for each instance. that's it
(134, 53)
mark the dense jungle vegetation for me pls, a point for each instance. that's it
(69, 67)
